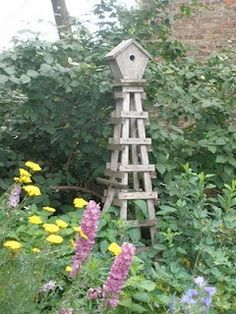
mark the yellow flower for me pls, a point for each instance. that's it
(68, 269)
(49, 209)
(32, 190)
(24, 173)
(81, 233)
(52, 228)
(61, 223)
(35, 250)
(24, 176)
(72, 243)
(35, 220)
(22, 179)
(33, 166)
(55, 239)
(79, 202)
(12, 245)
(114, 248)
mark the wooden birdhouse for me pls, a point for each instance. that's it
(128, 60)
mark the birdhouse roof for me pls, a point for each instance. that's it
(122, 46)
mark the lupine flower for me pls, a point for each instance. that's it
(210, 291)
(206, 301)
(84, 246)
(188, 297)
(118, 274)
(14, 197)
(199, 281)
(49, 286)
(94, 294)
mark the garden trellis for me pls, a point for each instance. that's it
(129, 171)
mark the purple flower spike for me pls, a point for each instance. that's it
(118, 274)
(83, 247)
(206, 301)
(94, 294)
(210, 291)
(14, 197)
(200, 281)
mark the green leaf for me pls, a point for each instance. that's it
(3, 78)
(24, 79)
(141, 204)
(142, 296)
(32, 73)
(161, 168)
(221, 159)
(147, 285)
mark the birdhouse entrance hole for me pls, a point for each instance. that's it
(132, 57)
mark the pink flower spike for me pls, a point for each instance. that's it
(83, 247)
(118, 274)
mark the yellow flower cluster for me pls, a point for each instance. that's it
(51, 228)
(114, 248)
(81, 233)
(61, 223)
(35, 250)
(33, 166)
(25, 176)
(12, 245)
(68, 269)
(32, 190)
(49, 209)
(54, 239)
(35, 220)
(79, 202)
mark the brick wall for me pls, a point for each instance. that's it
(210, 29)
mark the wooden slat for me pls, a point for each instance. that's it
(109, 182)
(115, 174)
(115, 147)
(130, 141)
(137, 168)
(114, 202)
(117, 120)
(139, 223)
(137, 195)
(136, 141)
(120, 95)
(134, 114)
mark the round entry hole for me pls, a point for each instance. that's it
(132, 57)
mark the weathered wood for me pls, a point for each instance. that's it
(140, 223)
(115, 147)
(120, 94)
(112, 183)
(137, 195)
(130, 141)
(131, 114)
(137, 168)
(129, 144)
(125, 154)
(116, 174)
